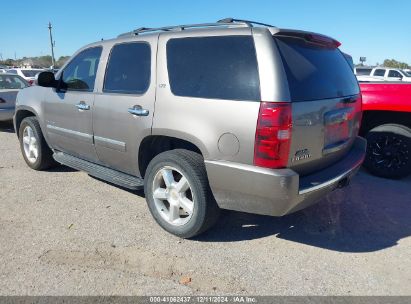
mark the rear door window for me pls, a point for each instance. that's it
(363, 72)
(222, 67)
(379, 72)
(315, 72)
(129, 68)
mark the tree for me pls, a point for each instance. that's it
(392, 63)
(9, 62)
(61, 61)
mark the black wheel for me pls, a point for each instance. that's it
(389, 151)
(178, 194)
(34, 148)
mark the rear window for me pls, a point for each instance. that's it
(363, 72)
(30, 73)
(214, 67)
(315, 72)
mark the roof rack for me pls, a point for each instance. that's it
(248, 22)
(223, 22)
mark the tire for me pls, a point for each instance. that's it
(43, 158)
(195, 215)
(389, 151)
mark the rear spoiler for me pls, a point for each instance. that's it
(314, 38)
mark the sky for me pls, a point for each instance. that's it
(375, 29)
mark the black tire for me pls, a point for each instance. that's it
(45, 155)
(389, 151)
(191, 165)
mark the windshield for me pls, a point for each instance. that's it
(12, 82)
(315, 72)
(407, 73)
(30, 73)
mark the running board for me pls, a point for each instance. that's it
(104, 173)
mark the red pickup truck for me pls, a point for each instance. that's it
(386, 125)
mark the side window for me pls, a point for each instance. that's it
(394, 74)
(80, 73)
(379, 72)
(363, 72)
(12, 82)
(129, 68)
(12, 72)
(213, 67)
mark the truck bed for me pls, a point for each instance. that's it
(386, 96)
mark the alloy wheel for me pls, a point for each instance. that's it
(30, 145)
(173, 196)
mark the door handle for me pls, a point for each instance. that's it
(138, 110)
(82, 106)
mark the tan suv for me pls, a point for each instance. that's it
(236, 115)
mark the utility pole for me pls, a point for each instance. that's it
(52, 45)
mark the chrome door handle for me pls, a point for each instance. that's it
(82, 106)
(138, 110)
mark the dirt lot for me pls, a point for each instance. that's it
(63, 232)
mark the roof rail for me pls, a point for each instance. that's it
(223, 22)
(248, 22)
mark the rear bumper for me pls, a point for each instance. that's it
(7, 113)
(281, 191)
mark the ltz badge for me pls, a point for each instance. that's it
(301, 154)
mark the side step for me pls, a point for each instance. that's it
(104, 173)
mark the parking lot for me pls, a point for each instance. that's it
(63, 232)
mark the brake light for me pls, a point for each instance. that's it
(323, 40)
(31, 82)
(273, 135)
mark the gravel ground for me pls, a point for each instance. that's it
(63, 232)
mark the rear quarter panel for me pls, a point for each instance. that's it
(221, 129)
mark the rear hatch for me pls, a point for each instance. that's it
(325, 96)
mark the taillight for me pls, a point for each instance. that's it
(31, 82)
(359, 109)
(273, 135)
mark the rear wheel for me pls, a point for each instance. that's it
(34, 148)
(389, 151)
(178, 194)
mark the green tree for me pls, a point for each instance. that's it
(61, 61)
(392, 63)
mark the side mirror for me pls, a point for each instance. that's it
(46, 79)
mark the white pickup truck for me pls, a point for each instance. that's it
(381, 74)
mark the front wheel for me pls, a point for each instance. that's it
(389, 151)
(178, 194)
(34, 148)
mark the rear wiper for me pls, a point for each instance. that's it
(350, 99)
